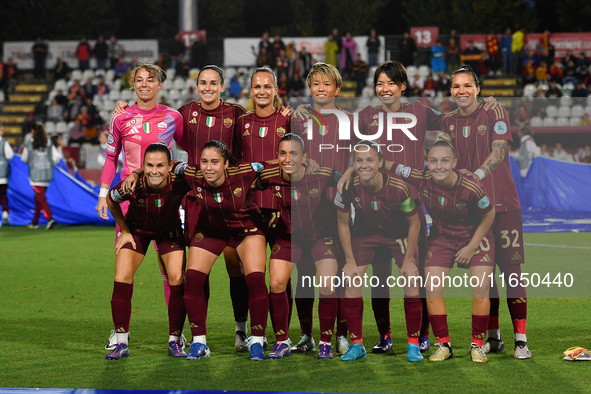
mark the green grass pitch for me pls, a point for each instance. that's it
(55, 318)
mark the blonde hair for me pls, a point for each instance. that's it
(277, 103)
(444, 140)
(152, 69)
(327, 71)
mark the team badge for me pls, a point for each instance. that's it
(198, 237)
(195, 113)
(442, 201)
(313, 193)
(323, 130)
(500, 127)
(484, 202)
(218, 197)
(428, 257)
(281, 132)
(295, 194)
(258, 167)
(466, 131)
(276, 249)
(263, 132)
(110, 139)
(162, 125)
(228, 122)
(237, 192)
(406, 170)
(481, 129)
(110, 148)
(158, 203)
(210, 121)
(375, 205)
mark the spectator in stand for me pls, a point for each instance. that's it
(55, 112)
(569, 56)
(77, 133)
(517, 44)
(539, 103)
(555, 72)
(61, 70)
(583, 73)
(582, 59)
(265, 51)
(545, 152)
(101, 53)
(579, 94)
(452, 55)
(438, 64)
(331, 48)
(281, 63)
(348, 51)
(177, 50)
(101, 90)
(10, 75)
(6, 154)
(492, 50)
(586, 120)
(74, 107)
(235, 87)
(373, 47)
(75, 90)
(262, 59)
(531, 55)
(278, 45)
(161, 62)
(182, 67)
(542, 71)
(561, 154)
(89, 88)
(430, 87)
(473, 50)
(83, 53)
(408, 50)
(293, 59)
(360, 74)
(61, 98)
(339, 39)
(570, 72)
(583, 154)
(199, 52)
(306, 60)
(505, 46)
(296, 86)
(115, 51)
(528, 150)
(121, 67)
(529, 72)
(522, 116)
(553, 91)
(443, 85)
(40, 51)
(282, 86)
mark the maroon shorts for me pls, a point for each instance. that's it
(216, 241)
(124, 208)
(192, 210)
(166, 242)
(378, 248)
(508, 233)
(281, 248)
(442, 254)
(324, 248)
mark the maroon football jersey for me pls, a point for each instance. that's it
(456, 212)
(472, 137)
(152, 212)
(228, 207)
(306, 206)
(382, 212)
(401, 148)
(325, 147)
(260, 141)
(202, 126)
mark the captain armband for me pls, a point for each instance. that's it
(408, 205)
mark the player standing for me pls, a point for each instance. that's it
(481, 138)
(152, 214)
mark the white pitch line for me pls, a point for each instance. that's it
(558, 246)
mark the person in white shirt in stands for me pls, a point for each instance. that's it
(528, 150)
(561, 154)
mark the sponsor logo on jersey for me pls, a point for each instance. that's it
(375, 205)
(228, 122)
(210, 121)
(218, 197)
(158, 203)
(193, 120)
(482, 129)
(484, 202)
(281, 132)
(162, 125)
(237, 192)
(516, 256)
(486, 258)
(110, 139)
(466, 131)
(276, 249)
(133, 130)
(263, 132)
(246, 133)
(313, 193)
(442, 201)
(199, 195)
(374, 124)
(110, 148)
(199, 237)
(461, 204)
(500, 127)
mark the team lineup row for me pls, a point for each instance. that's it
(371, 215)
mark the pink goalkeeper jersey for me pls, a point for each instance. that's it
(133, 131)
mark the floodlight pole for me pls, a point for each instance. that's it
(188, 15)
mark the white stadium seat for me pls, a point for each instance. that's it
(61, 127)
(126, 95)
(115, 95)
(536, 121)
(424, 71)
(411, 70)
(577, 110)
(50, 127)
(564, 112)
(562, 122)
(566, 101)
(76, 74)
(588, 110)
(549, 122)
(179, 83)
(552, 111)
(193, 73)
(170, 73)
(529, 90)
(575, 120)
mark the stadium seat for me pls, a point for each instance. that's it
(424, 71)
(170, 73)
(575, 120)
(173, 94)
(568, 88)
(229, 72)
(109, 75)
(106, 116)
(2, 97)
(98, 103)
(61, 84)
(115, 95)
(561, 121)
(61, 127)
(566, 101)
(552, 111)
(193, 72)
(242, 101)
(76, 74)
(87, 74)
(588, 110)
(367, 92)
(529, 90)
(126, 95)
(179, 83)
(564, 112)
(536, 121)
(577, 110)
(109, 106)
(411, 70)
(191, 83)
(116, 85)
(50, 127)
(549, 122)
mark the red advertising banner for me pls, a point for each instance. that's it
(189, 37)
(425, 36)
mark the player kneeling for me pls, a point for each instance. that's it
(152, 215)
